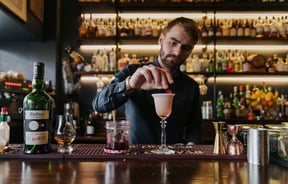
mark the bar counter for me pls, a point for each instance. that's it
(90, 164)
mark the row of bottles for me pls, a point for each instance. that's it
(275, 27)
(103, 61)
(229, 61)
(252, 103)
(107, 27)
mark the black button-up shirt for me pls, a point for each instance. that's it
(184, 123)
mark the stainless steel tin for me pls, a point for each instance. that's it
(258, 146)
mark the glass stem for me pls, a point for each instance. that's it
(163, 134)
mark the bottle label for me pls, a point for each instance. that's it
(39, 114)
(36, 138)
(36, 127)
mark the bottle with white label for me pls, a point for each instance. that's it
(38, 115)
(4, 129)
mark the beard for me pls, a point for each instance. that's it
(170, 61)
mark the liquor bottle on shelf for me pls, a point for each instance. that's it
(90, 127)
(122, 62)
(137, 28)
(242, 101)
(38, 109)
(220, 106)
(131, 28)
(259, 28)
(247, 94)
(233, 29)
(155, 28)
(134, 59)
(236, 100)
(83, 27)
(282, 106)
(247, 29)
(189, 64)
(90, 27)
(252, 29)
(266, 28)
(4, 129)
(112, 60)
(148, 27)
(211, 63)
(274, 28)
(78, 61)
(124, 30)
(218, 29)
(225, 28)
(282, 27)
(204, 30)
(211, 28)
(109, 28)
(106, 61)
(240, 28)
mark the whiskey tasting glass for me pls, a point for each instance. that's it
(64, 133)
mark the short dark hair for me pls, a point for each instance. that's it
(190, 26)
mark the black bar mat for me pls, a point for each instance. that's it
(143, 152)
(15, 151)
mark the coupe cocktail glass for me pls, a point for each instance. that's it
(163, 106)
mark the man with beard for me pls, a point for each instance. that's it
(134, 85)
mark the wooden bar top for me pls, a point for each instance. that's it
(113, 170)
(146, 172)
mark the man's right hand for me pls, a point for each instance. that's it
(149, 77)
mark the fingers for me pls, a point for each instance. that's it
(156, 77)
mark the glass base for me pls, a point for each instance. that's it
(163, 151)
(65, 148)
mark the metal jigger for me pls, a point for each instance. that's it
(234, 146)
(219, 145)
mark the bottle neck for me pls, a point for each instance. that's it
(38, 83)
(3, 117)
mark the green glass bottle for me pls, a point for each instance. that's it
(38, 109)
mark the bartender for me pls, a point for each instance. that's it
(134, 85)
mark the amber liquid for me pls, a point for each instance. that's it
(61, 139)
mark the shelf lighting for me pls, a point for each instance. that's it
(170, 15)
(133, 47)
(240, 79)
(167, 15)
(198, 46)
(253, 47)
(95, 47)
(99, 15)
(250, 15)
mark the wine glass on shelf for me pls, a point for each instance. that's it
(163, 106)
(64, 133)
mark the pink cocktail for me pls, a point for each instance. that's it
(163, 106)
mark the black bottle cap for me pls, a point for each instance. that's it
(38, 69)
